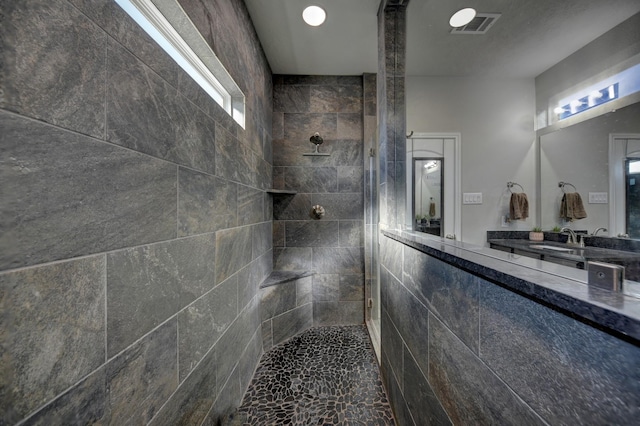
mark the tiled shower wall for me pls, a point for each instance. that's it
(332, 247)
(460, 349)
(134, 227)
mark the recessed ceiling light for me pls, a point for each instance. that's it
(462, 17)
(314, 15)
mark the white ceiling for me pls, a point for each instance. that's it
(530, 36)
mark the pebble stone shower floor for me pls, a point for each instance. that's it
(323, 376)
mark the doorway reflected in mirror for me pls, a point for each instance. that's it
(427, 196)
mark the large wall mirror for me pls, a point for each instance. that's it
(585, 155)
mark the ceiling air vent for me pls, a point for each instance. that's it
(479, 25)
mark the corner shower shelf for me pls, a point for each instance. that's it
(281, 191)
(280, 277)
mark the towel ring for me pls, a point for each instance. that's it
(510, 185)
(561, 185)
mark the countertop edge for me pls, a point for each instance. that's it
(616, 313)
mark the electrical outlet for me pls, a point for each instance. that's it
(505, 221)
(472, 198)
(598, 198)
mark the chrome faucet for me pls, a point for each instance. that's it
(599, 229)
(572, 236)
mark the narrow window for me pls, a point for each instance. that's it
(182, 41)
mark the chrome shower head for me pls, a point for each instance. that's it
(316, 139)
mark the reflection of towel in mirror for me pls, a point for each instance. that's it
(519, 206)
(432, 209)
(571, 207)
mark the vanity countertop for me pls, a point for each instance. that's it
(560, 287)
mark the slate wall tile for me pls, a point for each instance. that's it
(205, 203)
(153, 362)
(338, 313)
(326, 287)
(292, 322)
(311, 179)
(351, 233)
(567, 371)
(338, 260)
(147, 285)
(203, 322)
(340, 206)
(292, 259)
(250, 205)
(52, 211)
(53, 322)
(233, 251)
(54, 65)
(468, 390)
(317, 233)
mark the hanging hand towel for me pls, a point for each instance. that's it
(571, 207)
(432, 209)
(519, 206)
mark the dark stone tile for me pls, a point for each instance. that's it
(53, 322)
(263, 175)
(230, 159)
(400, 409)
(233, 251)
(278, 178)
(336, 99)
(291, 98)
(277, 126)
(318, 233)
(569, 372)
(352, 287)
(342, 152)
(292, 322)
(350, 179)
(193, 398)
(148, 284)
(300, 127)
(350, 126)
(449, 293)
(338, 313)
(205, 203)
(370, 100)
(410, 318)
(231, 345)
(249, 360)
(351, 233)
(421, 400)
(392, 348)
(52, 211)
(277, 299)
(340, 206)
(53, 65)
(267, 335)
(304, 291)
(85, 403)
(262, 236)
(152, 362)
(292, 259)
(278, 233)
(391, 253)
(467, 389)
(229, 398)
(203, 322)
(326, 287)
(251, 276)
(119, 25)
(309, 79)
(311, 179)
(146, 114)
(338, 260)
(292, 207)
(250, 205)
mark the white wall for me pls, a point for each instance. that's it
(496, 120)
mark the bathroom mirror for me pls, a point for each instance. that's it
(427, 195)
(580, 155)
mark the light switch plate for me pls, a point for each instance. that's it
(598, 198)
(472, 198)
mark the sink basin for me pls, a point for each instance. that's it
(546, 247)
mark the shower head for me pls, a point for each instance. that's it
(316, 139)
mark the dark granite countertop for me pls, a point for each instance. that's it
(560, 287)
(578, 253)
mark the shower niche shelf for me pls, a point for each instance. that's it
(316, 154)
(281, 277)
(281, 191)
